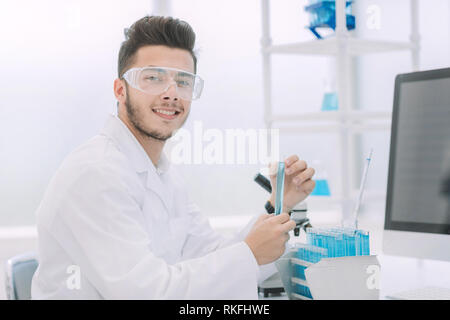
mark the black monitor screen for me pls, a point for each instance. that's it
(419, 167)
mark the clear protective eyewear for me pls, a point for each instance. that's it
(156, 80)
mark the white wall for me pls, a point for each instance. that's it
(377, 72)
(232, 29)
(58, 64)
(229, 35)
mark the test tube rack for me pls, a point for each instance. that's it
(324, 243)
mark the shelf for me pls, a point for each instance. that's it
(333, 116)
(346, 121)
(361, 128)
(330, 46)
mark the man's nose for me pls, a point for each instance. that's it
(171, 93)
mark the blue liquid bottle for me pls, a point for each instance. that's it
(330, 101)
(330, 98)
(322, 188)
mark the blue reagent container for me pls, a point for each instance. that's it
(330, 101)
(321, 188)
(322, 14)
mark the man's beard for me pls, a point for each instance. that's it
(135, 118)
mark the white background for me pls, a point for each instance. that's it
(58, 61)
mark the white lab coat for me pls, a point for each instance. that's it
(127, 230)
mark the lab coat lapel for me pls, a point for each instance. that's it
(155, 184)
(128, 144)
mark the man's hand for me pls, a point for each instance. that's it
(268, 237)
(298, 183)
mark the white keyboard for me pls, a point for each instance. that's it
(425, 293)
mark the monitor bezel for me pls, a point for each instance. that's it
(390, 224)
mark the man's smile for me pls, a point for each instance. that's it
(166, 113)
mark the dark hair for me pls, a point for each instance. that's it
(155, 30)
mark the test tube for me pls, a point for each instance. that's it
(338, 242)
(339, 245)
(332, 248)
(359, 248)
(311, 254)
(323, 253)
(345, 248)
(327, 237)
(307, 255)
(300, 251)
(352, 243)
(315, 254)
(366, 243)
(323, 238)
(309, 235)
(313, 236)
(319, 238)
(363, 243)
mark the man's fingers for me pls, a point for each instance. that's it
(265, 216)
(297, 166)
(308, 186)
(281, 218)
(304, 176)
(293, 164)
(288, 226)
(262, 217)
(291, 159)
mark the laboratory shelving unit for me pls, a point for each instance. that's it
(347, 121)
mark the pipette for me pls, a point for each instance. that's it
(280, 188)
(361, 188)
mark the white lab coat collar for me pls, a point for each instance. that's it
(130, 146)
(127, 143)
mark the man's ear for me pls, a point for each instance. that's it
(119, 90)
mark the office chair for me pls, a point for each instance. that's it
(19, 272)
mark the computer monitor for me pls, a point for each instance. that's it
(417, 217)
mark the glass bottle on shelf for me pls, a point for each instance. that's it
(322, 187)
(330, 98)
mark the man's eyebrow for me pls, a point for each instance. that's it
(184, 73)
(159, 69)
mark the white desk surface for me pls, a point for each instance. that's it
(399, 273)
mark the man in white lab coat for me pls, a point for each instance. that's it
(116, 221)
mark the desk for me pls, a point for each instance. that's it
(401, 273)
(397, 273)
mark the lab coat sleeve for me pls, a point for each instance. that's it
(103, 235)
(202, 239)
(266, 270)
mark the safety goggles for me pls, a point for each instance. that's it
(156, 80)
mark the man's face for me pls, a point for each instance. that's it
(143, 109)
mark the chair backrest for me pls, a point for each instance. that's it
(19, 273)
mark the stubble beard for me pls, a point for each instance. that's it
(135, 116)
